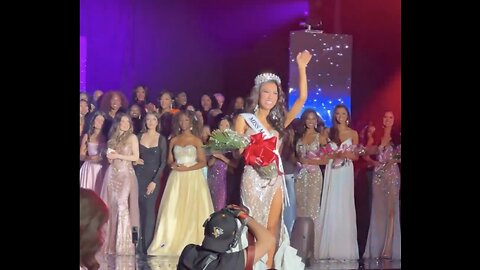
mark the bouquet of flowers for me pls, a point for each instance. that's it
(260, 155)
(226, 141)
(305, 169)
(355, 149)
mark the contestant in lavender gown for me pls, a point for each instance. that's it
(92, 152)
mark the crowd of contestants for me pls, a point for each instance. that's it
(145, 159)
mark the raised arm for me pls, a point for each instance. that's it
(302, 60)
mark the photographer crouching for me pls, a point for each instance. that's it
(225, 243)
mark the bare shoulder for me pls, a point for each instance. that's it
(240, 119)
(240, 124)
(353, 133)
(133, 138)
(354, 136)
(197, 142)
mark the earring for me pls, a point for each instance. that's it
(347, 122)
(274, 114)
(256, 108)
(316, 125)
(191, 128)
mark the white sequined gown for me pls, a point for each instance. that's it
(257, 195)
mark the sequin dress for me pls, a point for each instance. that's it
(185, 205)
(308, 187)
(338, 224)
(257, 194)
(120, 193)
(217, 183)
(385, 187)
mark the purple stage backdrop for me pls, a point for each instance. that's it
(194, 46)
(83, 64)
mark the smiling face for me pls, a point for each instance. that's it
(184, 122)
(311, 121)
(388, 119)
(268, 95)
(115, 102)
(166, 101)
(140, 93)
(341, 115)
(135, 111)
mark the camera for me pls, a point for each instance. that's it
(135, 235)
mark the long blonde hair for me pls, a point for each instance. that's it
(115, 137)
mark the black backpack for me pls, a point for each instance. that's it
(195, 257)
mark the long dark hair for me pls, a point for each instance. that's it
(276, 116)
(165, 92)
(395, 133)
(144, 122)
(134, 95)
(302, 127)
(114, 137)
(334, 133)
(91, 128)
(193, 121)
(212, 98)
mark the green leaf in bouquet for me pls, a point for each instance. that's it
(226, 140)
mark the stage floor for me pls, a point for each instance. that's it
(170, 263)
